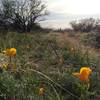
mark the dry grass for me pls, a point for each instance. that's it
(75, 42)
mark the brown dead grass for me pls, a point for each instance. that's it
(75, 42)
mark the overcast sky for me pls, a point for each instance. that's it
(64, 11)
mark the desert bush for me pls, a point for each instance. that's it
(84, 25)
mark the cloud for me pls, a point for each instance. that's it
(62, 12)
(57, 20)
(74, 6)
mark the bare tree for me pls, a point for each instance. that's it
(23, 14)
(84, 25)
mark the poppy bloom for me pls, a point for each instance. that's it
(10, 52)
(41, 91)
(84, 73)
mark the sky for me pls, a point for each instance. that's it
(62, 12)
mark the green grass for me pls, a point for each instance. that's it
(38, 63)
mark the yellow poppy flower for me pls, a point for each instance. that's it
(41, 91)
(11, 52)
(84, 73)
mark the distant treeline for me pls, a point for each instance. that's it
(86, 25)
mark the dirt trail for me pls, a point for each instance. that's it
(72, 40)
